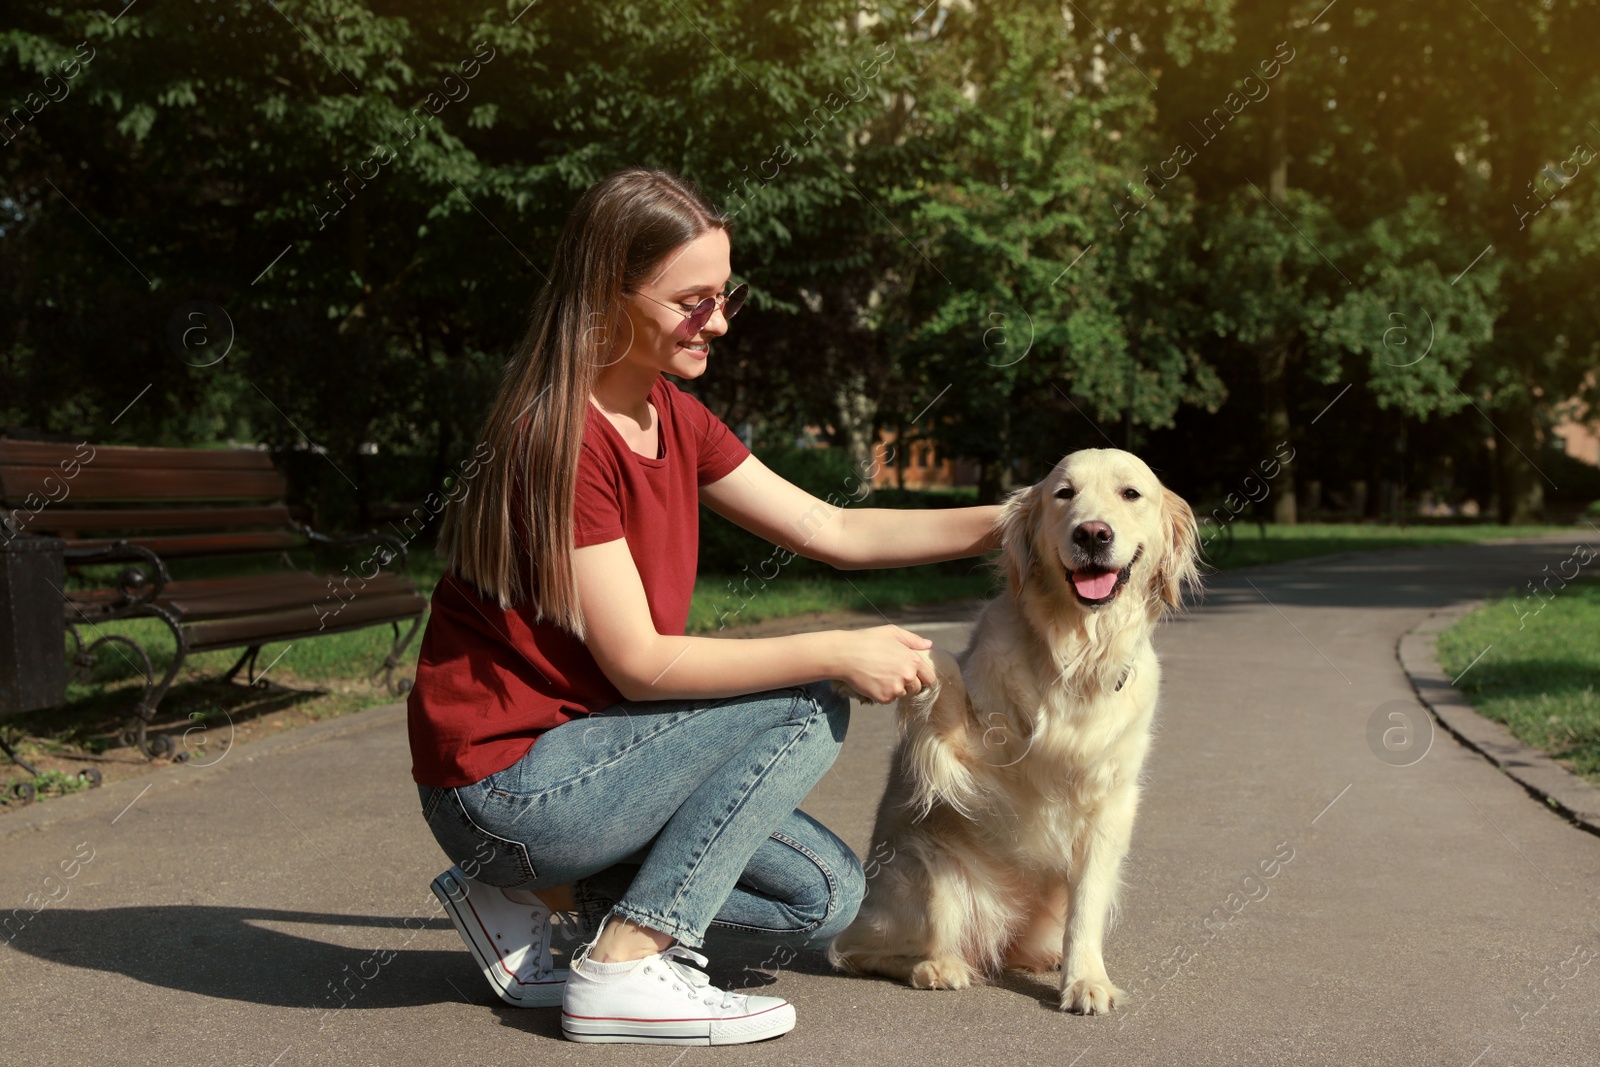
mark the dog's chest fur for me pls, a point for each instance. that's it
(1049, 757)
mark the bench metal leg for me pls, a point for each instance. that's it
(154, 690)
(18, 760)
(401, 685)
(25, 791)
(248, 660)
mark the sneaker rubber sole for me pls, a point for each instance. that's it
(738, 1030)
(453, 894)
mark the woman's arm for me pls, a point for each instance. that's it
(882, 663)
(768, 505)
(903, 537)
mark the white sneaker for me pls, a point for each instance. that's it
(660, 1000)
(510, 940)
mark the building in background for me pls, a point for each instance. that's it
(1578, 438)
(919, 466)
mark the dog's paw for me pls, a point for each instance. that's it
(919, 702)
(947, 972)
(1090, 996)
(849, 692)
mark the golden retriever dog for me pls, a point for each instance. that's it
(1001, 835)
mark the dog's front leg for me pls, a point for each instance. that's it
(1092, 889)
(935, 728)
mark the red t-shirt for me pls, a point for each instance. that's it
(491, 680)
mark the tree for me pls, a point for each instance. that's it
(365, 201)
(1018, 305)
(1389, 147)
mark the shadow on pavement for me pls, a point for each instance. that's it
(238, 954)
(536, 1022)
(253, 955)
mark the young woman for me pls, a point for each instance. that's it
(573, 750)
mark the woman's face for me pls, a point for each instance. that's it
(653, 338)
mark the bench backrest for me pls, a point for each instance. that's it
(174, 501)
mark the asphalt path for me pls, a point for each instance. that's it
(1422, 908)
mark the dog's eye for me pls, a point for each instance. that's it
(1130, 493)
(1066, 492)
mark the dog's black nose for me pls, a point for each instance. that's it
(1092, 535)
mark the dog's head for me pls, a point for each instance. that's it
(1100, 523)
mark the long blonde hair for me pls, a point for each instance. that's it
(618, 235)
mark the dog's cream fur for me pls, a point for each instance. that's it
(1011, 798)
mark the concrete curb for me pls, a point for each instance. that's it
(1540, 775)
(111, 799)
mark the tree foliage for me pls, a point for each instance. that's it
(1010, 227)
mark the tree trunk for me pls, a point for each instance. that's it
(857, 416)
(1127, 393)
(1278, 140)
(1521, 486)
(1274, 359)
(994, 474)
(1274, 362)
(900, 454)
(991, 474)
(444, 441)
(1403, 475)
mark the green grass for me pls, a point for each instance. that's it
(1541, 673)
(50, 783)
(1282, 544)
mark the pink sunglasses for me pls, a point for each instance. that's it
(696, 319)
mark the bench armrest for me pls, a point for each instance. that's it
(396, 545)
(133, 584)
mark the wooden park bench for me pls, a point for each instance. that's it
(88, 504)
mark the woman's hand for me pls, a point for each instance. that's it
(884, 663)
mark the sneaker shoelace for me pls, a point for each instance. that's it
(698, 982)
(541, 964)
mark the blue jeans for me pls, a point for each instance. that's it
(678, 814)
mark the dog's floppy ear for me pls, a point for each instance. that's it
(1180, 549)
(1018, 516)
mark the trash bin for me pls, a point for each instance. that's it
(33, 661)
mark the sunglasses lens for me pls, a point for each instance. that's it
(699, 317)
(706, 308)
(735, 301)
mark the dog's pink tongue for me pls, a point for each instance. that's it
(1094, 586)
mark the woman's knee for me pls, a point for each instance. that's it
(848, 887)
(840, 881)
